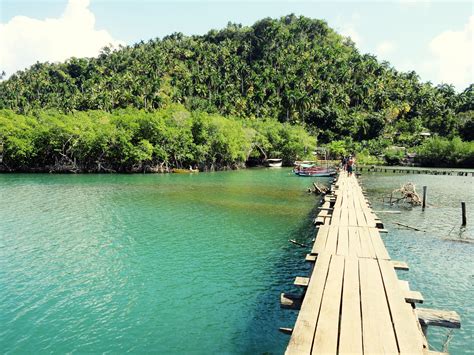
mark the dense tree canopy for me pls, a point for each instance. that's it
(295, 69)
(135, 140)
(219, 99)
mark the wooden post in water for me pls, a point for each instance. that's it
(463, 209)
(424, 197)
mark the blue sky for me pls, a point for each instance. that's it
(434, 38)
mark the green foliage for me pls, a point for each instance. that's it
(394, 156)
(337, 149)
(293, 69)
(466, 125)
(442, 152)
(132, 140)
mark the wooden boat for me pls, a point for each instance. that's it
(322, 173)
(313, 170)
(274, 162)
(309, 168)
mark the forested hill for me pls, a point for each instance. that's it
(295, 69)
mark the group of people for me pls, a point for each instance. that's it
(348, 164)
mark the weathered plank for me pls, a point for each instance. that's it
(354, 241)
(343, 241)
(327, 330)
(367, 249)
(379, 248)
(301, 281)
(344, 217)
(286, 330)
(350, 338)
(377, 329)
(408, 333)
(303, 333)
(400, 265)
(438, 318)
(291, 301)
(321, 238)
(352, 217)
(331, 243)
(413, 297)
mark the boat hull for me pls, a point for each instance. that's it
(274, 163)
(321, 174)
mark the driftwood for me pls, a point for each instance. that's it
(409, 227)
(438, 318)
(298, 243)
(319, 189)
(405, 194)
(460, 240)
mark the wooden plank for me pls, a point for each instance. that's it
(286, 330)
(438, 318)
(407, 330)
(404, 285)
(367, 249)
(369, 217)
(301, 281)
(399, 265)
(302, 337)
(350, 338)
(354, 241)
(319, 220)
(291, 301)
(343, 241)
(321, 238)
(413, 297)
(344, 199)
(336, 215)
(344, 217)
(352, 217)
(377, 330)
(379, 248)
(327, 330)
(331, 244)
(323, 213)
(361, 221)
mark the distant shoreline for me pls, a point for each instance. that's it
(204, 169)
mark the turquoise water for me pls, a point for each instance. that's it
(195, 263)
(140, 263)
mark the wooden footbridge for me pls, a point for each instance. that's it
(354, 301)
(415, 170)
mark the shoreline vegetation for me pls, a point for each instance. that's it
(133, 140)
(228, 98)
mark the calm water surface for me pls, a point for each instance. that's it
(194, 264)
(140, 263)
(440, 268)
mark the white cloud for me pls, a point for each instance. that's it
(349, 30)
(453, 53)
(385, 48)
(24, 40)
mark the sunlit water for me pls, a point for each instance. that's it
(194, 263)
(140, 263)
(441, 258)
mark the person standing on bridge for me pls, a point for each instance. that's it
(344, 163)
(350, 165)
